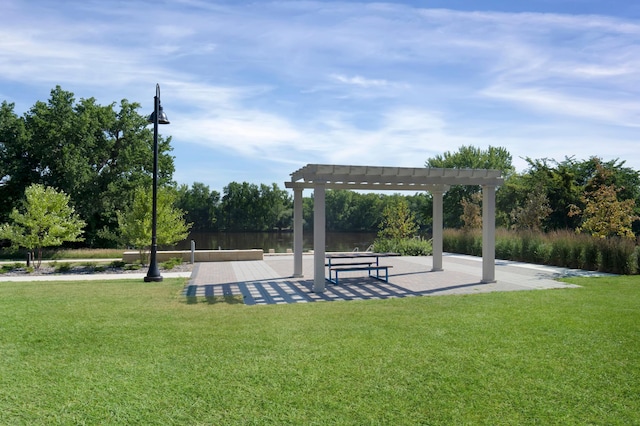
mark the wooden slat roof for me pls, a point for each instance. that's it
(394, 178)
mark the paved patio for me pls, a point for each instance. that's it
(270, 281)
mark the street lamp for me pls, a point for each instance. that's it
(158, 117)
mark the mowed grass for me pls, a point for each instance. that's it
(127, 352)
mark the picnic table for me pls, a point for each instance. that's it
(357, 261)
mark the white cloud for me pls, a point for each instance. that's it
(359, 81)
(300, 82)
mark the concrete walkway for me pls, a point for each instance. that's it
(270, 281)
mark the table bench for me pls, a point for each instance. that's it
(353, 267)
(370, 266)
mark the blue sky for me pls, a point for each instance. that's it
(256, 90)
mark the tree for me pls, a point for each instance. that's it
(531, 214)
(249, 207)
(276, 207)
(12, 175)
(135, 222)
(604, 215)
(199, 204)
(472, 212)
(96, 154)
(46, 220)
(468, 157)
(398, 221)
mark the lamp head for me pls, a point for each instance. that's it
(162, 117)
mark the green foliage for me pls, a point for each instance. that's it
(117, 264)
(472, 212)
(96, 154)
(63, 267)
(496, 158)
(135, 223)
(349, 211)
(9, 268)
(249, 207)
(398, 221)
(199, 204)
(404, 246)
(532, 213)
(45, 220)
(171, 263)
(552, 195)
(604, 214)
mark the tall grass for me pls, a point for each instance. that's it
(559, 248)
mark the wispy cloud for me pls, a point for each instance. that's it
(365, 83)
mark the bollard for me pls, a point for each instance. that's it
(28, 259)
(193, 252)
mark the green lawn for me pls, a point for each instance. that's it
(126, 352)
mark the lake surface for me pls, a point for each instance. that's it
(278, 241)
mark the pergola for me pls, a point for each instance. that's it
(321, 177)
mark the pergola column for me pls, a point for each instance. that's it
(437, 226)
(488, 234)
(297, 233)
(319, 233)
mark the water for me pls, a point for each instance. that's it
(278, 241)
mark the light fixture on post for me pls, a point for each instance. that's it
(158, 117)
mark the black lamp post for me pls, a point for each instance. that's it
(158, 117)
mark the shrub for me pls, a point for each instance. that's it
(171, 263)
(62, 267)
(117, 264)
(405, 246)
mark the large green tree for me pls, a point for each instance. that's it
(96, 154)
(46, 219)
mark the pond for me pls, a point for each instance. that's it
(278, 241)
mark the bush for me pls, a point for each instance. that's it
(62, 267)
(171, 263)
(405, 246)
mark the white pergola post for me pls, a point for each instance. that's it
(297, 233)
(437, 226)
(319, 220)
(488, 234)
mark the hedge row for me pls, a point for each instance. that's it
(405, 246)
(563, 248)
